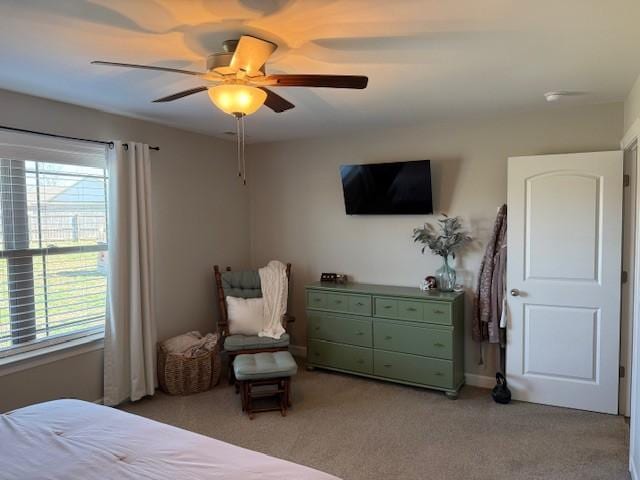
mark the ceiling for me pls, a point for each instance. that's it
(425, 59)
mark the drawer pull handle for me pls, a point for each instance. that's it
(317, 328)
(317, 354)
(387, 307)
(438, 374)
(338, 301)
(388, 337)
(411, 309)
(439, 345)
(360, 333)
(387, 365)
(438, 312)
(317, 299)
(360, 304)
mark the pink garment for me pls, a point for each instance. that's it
(491, 285)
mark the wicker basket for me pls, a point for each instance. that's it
(179, 375)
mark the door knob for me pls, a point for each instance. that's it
(515, 292)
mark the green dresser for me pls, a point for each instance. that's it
(390, 333)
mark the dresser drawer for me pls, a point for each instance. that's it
(356, 304)
(360, 304)
(414, 369)
(386, 307)
(343, 357)
(410, 310)
(419, 340)
(341, 329)
(413, 310)
(316, 299)
(438, 312)
(338, 302)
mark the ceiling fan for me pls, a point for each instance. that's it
(237, 81)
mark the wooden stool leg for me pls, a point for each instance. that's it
(282, 393)
(232, 377)
(245, 395)
(282, 386)
(240, 387)
(249, 400)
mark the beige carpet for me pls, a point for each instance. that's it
(358, 429)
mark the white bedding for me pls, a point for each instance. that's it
(72, 439)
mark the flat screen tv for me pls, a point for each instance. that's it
(387, 188)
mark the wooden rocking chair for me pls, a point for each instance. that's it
(244, 284)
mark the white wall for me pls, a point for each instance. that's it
(199, 217)
(632, 106)
(297, 211)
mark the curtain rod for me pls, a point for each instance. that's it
(45, 134)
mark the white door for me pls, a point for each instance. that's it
(634, 442)
(563, 276)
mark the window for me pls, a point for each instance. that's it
(53, 243)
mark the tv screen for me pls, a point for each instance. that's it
(387, 188)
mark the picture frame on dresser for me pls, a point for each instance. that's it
(398, 334)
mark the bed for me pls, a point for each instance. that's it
(72, 439)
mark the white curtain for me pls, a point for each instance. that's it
(130, 332)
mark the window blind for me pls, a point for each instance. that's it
(53, 242)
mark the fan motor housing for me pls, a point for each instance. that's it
(220, 61)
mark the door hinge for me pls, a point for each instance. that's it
(626, 180)
(621, 371)
(624, 277)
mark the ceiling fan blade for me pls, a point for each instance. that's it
(251, 54)
(176, 96)
(275, 102)
(330, 81)
(147, 67)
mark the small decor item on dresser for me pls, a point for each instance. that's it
(429, 283)
(500, 393)
(446, 276)
(339, 278)
(444, 240)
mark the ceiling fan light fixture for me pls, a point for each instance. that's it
(237, 99)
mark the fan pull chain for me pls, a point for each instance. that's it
(244, 160)
(240, 137)
(238, 141)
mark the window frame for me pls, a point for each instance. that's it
(31, 148)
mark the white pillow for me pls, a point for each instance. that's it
(245, 315)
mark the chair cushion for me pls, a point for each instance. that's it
(261, 366)
(234, 343)
(241, 284)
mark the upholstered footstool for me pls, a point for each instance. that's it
(264, 374)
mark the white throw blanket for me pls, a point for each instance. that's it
(275, 288)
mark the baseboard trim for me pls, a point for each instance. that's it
(632, 469)
(99, 401)
(481, 381)
(472, 379)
